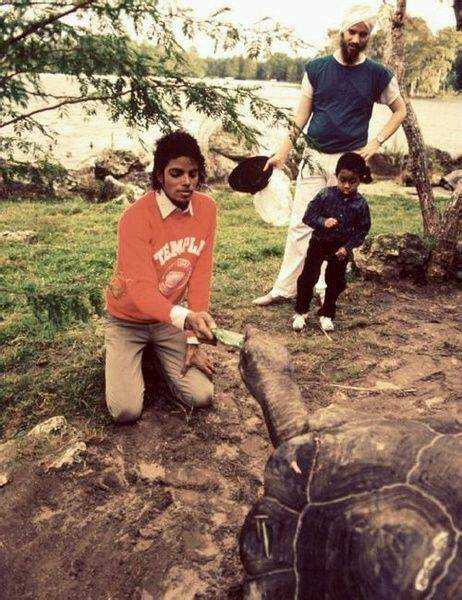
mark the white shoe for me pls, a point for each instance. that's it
(268, 299)
(298, 322)
(326, 324)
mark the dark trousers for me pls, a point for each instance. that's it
(319, 251)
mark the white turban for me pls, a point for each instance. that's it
(359, 13)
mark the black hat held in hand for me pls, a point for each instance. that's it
(249, 176)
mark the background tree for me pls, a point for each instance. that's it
(455, 75)
(444, 230)
(457, 6)
(149, 83)
(430, 59)
(278, 66)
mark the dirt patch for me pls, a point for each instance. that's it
(155, 509)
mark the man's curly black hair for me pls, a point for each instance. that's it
(173, 145)
(356, 163)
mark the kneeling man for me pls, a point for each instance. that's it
(164, 254)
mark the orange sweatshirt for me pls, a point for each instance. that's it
(160, 260)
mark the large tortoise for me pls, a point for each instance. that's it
(355, 506)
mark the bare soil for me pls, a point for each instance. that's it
(155, 509)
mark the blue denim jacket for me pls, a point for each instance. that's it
(351, 212)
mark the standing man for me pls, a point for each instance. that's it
(164, 254)
(338, 93)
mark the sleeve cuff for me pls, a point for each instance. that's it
(178, 316)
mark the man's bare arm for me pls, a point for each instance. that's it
(398, 109)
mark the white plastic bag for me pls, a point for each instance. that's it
(274, 202)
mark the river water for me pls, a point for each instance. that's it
(80, 137)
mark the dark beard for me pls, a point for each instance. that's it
(350, 56)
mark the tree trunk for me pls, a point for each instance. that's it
(458, 13)
(417, 153)
(443, 253)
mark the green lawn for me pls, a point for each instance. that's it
(48, 370)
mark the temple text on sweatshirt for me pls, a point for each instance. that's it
(164, 255)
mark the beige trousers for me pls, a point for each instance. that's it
(125, 342)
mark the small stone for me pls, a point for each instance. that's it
(50, 426)
(193, 477)
(219, 519)
(151, 472)
(254, 425)
(226, 451)
(390, 363)
(142, 545)
(71, 456)
(432, 402)
(385, 386)
(4, 479)
(148, 532)
(18, 236)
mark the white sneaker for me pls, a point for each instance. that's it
(326, 324)
(298, 322)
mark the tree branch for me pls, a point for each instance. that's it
(64, 103)
(417, 153)
(442, 255)
(37, 25)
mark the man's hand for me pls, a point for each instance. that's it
(201, 323)
(196, 357)
(330, 222)
(369, 150)
(341, 253)
(274, 161)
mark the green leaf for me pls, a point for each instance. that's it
(230, 338)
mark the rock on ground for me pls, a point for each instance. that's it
(54, 425)
(26, 235)
(72, 455)
(118, 163)
(387, 257)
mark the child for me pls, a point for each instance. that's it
(340, 218)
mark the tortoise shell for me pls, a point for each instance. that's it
(359, 508)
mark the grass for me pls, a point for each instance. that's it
(48, 371)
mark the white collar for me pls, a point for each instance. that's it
(167, 207)
(338, 58)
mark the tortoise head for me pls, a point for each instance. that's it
(266, 371)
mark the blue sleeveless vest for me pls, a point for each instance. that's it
(342, 102)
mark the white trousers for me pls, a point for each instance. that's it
(314, 175)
